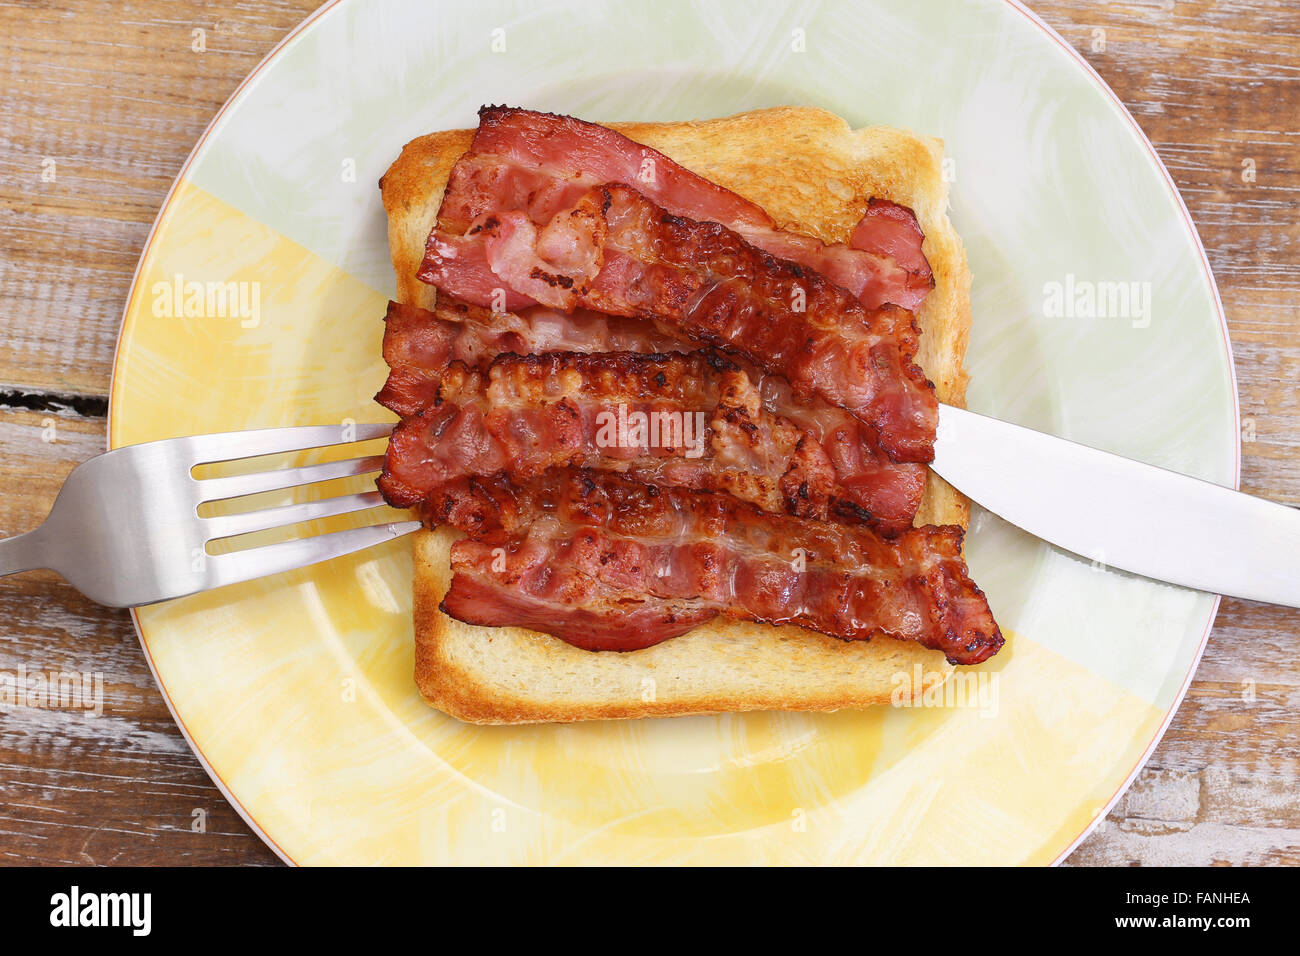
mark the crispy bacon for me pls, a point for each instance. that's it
(610, 564)
(522, 159)
(419, 345)
(690, 420)
(892, 234)
(612, 265)
(517, 226)
(617, 252)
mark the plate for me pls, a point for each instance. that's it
(257, 303)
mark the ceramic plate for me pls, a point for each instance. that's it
(258, 301)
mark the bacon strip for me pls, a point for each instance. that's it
(617, 252)
(605, 258)
(419, 345)
(689, 420)
(609, 564)
(544, 162)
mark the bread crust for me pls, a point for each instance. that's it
(813, 174)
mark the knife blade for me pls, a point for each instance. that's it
(1123, 513)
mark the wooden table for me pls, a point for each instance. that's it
(109, 99)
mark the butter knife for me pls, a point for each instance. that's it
(1122, 513)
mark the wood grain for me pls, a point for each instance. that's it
(115, 97)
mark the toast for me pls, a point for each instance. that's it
(814, 175)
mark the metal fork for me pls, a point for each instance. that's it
(125, 529)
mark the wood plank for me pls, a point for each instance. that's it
(115, 96)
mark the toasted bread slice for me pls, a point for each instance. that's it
(814, 175)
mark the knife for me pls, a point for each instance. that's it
(1123, 513)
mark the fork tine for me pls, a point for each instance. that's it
(228, 446)
(233, 486)
(301, 552)
(225, 526)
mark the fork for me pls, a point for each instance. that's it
(125, 529)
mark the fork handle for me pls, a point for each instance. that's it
(23, 552)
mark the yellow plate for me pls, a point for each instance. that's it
(257, 303)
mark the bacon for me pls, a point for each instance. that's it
(690, 420)
(891, 233)
(610, 564)
(621, 254)
(419, 345)
(611, 265)
(522, 159)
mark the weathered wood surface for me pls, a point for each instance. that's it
(115, 97)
